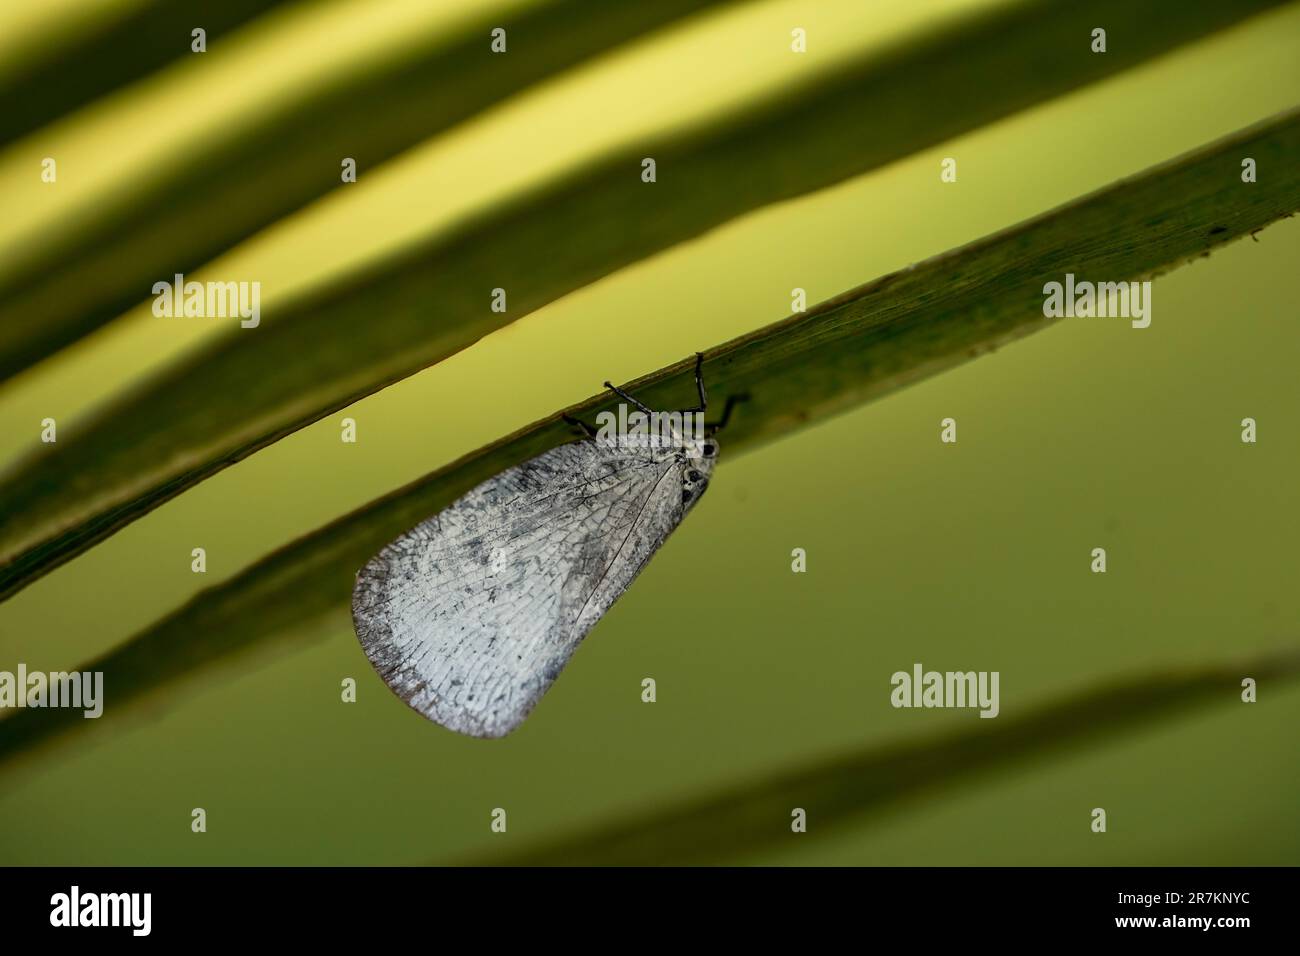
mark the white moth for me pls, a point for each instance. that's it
(471, 615)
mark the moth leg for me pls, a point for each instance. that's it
(586, 429)
(699, 387)
(732, 402)
(628, 398)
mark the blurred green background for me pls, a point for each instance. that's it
(973, 556)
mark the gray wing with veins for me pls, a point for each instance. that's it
(470, 616)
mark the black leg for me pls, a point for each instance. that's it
(586, 429)
(699, 386)
(732, 402)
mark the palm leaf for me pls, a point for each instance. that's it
(755, 815)
(345, 340)
(129, 43)
(419, 82)
(861, 345)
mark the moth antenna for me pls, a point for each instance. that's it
(628, 398)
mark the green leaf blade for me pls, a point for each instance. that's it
(859, 346)
(368, 330)
(279, 160)
(842, 791)
(129, 46)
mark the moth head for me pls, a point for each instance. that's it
(697, 469)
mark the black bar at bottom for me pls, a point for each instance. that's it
(211, 905)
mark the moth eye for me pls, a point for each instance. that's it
(693, 475)
(710, 450)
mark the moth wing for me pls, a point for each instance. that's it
(471, 615)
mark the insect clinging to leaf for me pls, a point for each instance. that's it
(471, 615)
